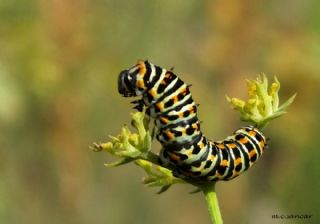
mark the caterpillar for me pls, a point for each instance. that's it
(169, 102)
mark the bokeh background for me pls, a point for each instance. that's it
(59, 62)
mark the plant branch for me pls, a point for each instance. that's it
(212, 202)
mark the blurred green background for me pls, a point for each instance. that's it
(59, 62)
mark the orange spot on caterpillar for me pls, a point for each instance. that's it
(238, 161)
(160, 105)
(261, 143)
(220, 146)
(174, 157)
(183, 91)
(140, 84)
(252, 153)
(164, 120)
(163, 82)
(167, 75)
(244, 140)
(153, 92)
(170, 135)
(224, 163)
(201, 145)
(142, 68)
(252, 133)
(232, 145)
(175, 99)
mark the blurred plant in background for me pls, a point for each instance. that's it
(59, 62)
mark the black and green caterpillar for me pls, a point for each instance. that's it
(169, 102)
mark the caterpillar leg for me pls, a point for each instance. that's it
(139, 104)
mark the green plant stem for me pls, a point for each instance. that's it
(212, 201)
(151, 157)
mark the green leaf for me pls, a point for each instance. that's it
(164, 189)
(286, 104)
(119, 162)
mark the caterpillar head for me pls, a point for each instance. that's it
(126, 84)
(130, 82)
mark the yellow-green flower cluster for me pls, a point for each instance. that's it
(135, 147)
(127, 145)
(263, 103)
(157, 176)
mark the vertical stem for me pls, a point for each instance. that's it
(212, 201)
